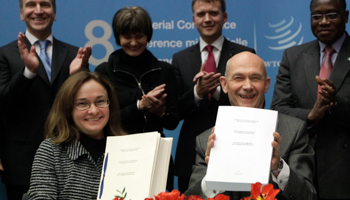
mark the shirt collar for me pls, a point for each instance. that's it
(217, 43)
(32, 39)
(336, 45)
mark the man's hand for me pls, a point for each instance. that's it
(328, 90)
(28, 57)
(276, 155)
(319, 109)
(81, 60)
(206, 82)
(325, 100)
(210, 145)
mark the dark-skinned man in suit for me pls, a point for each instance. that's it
(302, 90)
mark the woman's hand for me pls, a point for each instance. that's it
(154, 100)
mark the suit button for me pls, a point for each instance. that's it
(345, 146)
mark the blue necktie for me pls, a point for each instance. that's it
(45, 59)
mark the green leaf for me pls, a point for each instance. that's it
(123, 190)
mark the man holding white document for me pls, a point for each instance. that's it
(292, 161)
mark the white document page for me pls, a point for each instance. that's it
(162, 166)
(129, 163)
(242, 149)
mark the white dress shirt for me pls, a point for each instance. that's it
(336, 46)
(32, 39)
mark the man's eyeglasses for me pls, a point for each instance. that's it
(84, 105)
(330, 16)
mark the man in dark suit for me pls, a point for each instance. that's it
(292, 162)
(197, 109)
(324, 102)
(28, 90)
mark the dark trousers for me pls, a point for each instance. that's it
(183, 183)
(15, 192)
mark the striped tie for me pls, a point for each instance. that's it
(327, 65)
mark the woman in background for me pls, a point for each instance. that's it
(146, 87)
(68, 163)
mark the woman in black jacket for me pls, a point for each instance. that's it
(146, 88)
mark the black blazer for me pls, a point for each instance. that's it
(28, 102)
(295, 94)
(197, 119)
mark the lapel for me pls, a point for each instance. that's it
(342, 64)
(75, 149)
(59, 53)
(195, 59)
(226, 53)
(311, 63)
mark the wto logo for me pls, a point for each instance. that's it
(285, 37)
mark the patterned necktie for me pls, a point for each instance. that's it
(44, 57)
(327, 65)
(210, 65)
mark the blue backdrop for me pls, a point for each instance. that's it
(268, 26)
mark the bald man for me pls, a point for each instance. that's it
(292, 162)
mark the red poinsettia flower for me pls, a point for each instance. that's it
(221, 197)
(267, 193)
(173, 195)
(118, 198)
(194, 197)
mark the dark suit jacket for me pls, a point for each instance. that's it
(294, 150)
(295, 94)
(28, 102)
(197, 119)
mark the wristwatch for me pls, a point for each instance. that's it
(280, 167)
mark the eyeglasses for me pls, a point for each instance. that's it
(330, 16)
(84, 105)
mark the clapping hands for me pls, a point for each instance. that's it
(154, 100)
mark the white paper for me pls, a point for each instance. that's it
(131, 164)
(162, 166)
(242, 149)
